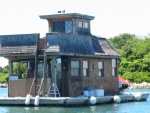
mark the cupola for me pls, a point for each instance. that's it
(71, 23)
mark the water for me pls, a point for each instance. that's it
(129, 107)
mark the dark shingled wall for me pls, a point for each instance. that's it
(83, 32)
(16, 44)
(96, 46)
(71, 43)
(79, 44)
(18, 40)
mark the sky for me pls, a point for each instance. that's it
(112, 17)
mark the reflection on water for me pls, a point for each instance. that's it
(4, 110)
(93, 108)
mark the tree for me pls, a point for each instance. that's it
(5, 69)
(135, 62)
(20, 68)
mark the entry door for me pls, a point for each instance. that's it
(64, 80)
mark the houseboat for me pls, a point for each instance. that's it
(67, 66)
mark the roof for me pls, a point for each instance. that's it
(18, 44)
(67, 15)
(69, 44)
(123, 81)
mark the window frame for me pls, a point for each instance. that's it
(74, 68)
(101, 68)
(85, 68)
(62, 30)
(114, 67)
(80, 24)
(85, 25)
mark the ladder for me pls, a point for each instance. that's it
(53, 90)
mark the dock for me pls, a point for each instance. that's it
(68, 101)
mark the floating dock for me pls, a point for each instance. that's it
(67, 101)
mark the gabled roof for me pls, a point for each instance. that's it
(18, 44)
(68, 44)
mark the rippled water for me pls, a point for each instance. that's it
(129, 107)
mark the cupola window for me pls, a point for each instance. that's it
(80, 24)
(83, 24)
(86, 25)
(62, 26)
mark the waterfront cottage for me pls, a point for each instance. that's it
(66, 62)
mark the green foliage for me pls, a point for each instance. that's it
(4, 74)
(5, 69)
(137, 77)
(3, 78)
(135, 62)
(20, 69)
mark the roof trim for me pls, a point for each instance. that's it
(80, 55)
(67, 15)
(18, 54)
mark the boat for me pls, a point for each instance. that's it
(69, 66)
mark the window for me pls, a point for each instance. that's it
(80, 24)
(86, 25)
(75, 66)
(85, 68)
(83, 24)
(114, 67)
(101, 69)
(62, 26)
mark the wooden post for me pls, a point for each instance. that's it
(53, 70)
(10, 67)
(10, 73)
(44, 72)
(50, 26)
(35, 72)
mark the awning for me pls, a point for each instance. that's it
(122, 80)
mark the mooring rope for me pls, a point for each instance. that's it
(32, 85)
(40, 86)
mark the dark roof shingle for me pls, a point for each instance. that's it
(15, 44)
(79, 44)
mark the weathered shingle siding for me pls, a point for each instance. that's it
(71, 43)
(96, 45)
(107, 48)
(18, 40)
(16, 49)
(79, 44)
(83, 32)
(23, 43)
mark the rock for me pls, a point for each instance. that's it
(3, 85)
(142, 85)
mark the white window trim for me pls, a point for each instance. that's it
(85, 25)
(100, 69)
(85, 68)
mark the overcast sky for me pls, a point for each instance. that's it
(112, 17)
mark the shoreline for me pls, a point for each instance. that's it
(140, 85)
(3, 85)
